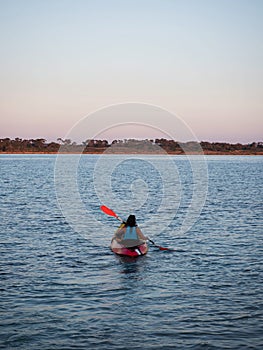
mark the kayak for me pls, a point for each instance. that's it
(134, 251)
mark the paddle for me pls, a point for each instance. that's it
(110, 212)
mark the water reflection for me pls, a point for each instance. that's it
(132, 266)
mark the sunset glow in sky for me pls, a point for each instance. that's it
(200, 59)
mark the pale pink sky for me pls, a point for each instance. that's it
(201, 60)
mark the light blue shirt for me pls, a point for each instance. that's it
(130, 233)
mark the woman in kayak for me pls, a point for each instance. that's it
(130, 234)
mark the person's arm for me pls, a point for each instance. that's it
(140, 234)
(119, 234)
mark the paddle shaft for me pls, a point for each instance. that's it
(158, 246)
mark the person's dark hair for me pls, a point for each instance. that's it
(131, 221)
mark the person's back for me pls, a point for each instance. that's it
(131, 234)
(130, 237)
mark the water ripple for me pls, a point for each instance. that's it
(59, 291)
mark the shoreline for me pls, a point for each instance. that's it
(130, 146)
(206, 153)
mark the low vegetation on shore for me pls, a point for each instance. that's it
(157, 146)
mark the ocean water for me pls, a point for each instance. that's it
(62, 288)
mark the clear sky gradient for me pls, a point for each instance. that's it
(62, 59)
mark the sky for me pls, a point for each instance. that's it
(202, 60)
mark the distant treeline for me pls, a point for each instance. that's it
(40, 145)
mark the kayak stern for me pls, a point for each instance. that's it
(136, 251)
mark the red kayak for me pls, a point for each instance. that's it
(135, 251)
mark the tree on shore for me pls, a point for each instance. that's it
(19, 145)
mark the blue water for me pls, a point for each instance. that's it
(61, 291)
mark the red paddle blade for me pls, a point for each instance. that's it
(108, 211)
(161, 248)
